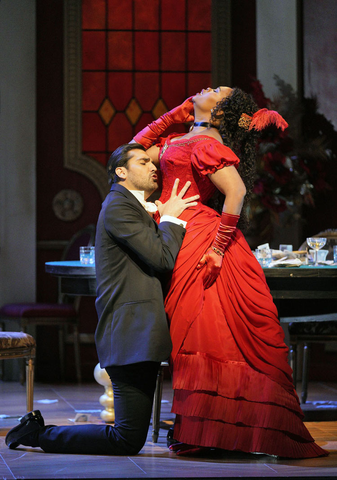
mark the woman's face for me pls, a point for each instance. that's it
(209, 97)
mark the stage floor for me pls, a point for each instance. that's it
(59, 405)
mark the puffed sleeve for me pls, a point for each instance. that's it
(208, 156)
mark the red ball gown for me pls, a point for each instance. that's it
(232, 383)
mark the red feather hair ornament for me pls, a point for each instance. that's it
(264, 117)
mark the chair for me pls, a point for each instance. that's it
(157, 402)
(306, 330)
(20, 345)
(64, 313)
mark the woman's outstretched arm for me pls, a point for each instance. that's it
(146, 137)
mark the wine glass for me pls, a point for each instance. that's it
(316, 243)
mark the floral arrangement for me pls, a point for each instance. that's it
(291, 165)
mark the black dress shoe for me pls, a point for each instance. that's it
(26, 433)
(34, 415)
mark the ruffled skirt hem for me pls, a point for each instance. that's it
(217, 434)
(229, 405)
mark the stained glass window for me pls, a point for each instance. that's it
(139, 59)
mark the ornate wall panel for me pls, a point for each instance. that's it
(74, 157)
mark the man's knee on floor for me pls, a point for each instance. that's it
(130, 447)
(127, 441)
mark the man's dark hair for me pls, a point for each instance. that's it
(120, 158)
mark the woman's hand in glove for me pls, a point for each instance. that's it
(211, 262)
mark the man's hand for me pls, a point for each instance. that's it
(211, 262)
(176, 203)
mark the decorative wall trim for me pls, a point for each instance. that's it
(73, 156)
(221, 43)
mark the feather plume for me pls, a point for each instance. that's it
(264, 117)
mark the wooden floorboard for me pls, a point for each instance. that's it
(60, 403)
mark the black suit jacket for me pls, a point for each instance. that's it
(132, 250)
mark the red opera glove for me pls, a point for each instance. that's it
(214, 255)
(179, 114)
(225, 232)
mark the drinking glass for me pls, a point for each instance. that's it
(316, 243)
(264, 257)
(87, 255)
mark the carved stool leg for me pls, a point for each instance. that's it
(157, 405)
(30, 383)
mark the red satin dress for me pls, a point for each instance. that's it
(232, 383)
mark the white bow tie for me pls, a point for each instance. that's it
(149, 206)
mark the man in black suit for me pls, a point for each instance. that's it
(132, 336)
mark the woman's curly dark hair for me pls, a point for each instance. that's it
(226, 114)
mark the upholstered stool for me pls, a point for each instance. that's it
(20, 345)
(47, 314)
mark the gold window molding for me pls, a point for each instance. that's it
(74, 159)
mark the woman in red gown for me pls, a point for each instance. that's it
(232, 384)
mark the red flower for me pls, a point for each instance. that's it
(259, 187)
(276, 204)
(303, 165)
(320, 185)
(275, 164)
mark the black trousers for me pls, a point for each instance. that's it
(133, 407)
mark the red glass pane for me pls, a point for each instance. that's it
(146, 15)
(146, 51)
(93, 133)
(120, 50)
(199, 51)
(93, 14)
(93, 50)
(100, 157)
(144, 120)
(120, 131)
(147, 89)
(173, 89)
(199, 15)
(173, 51)
(173, 15)
(120, 14)
(133, 61)
(120, 89)
(93, 90)
(198, 81)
